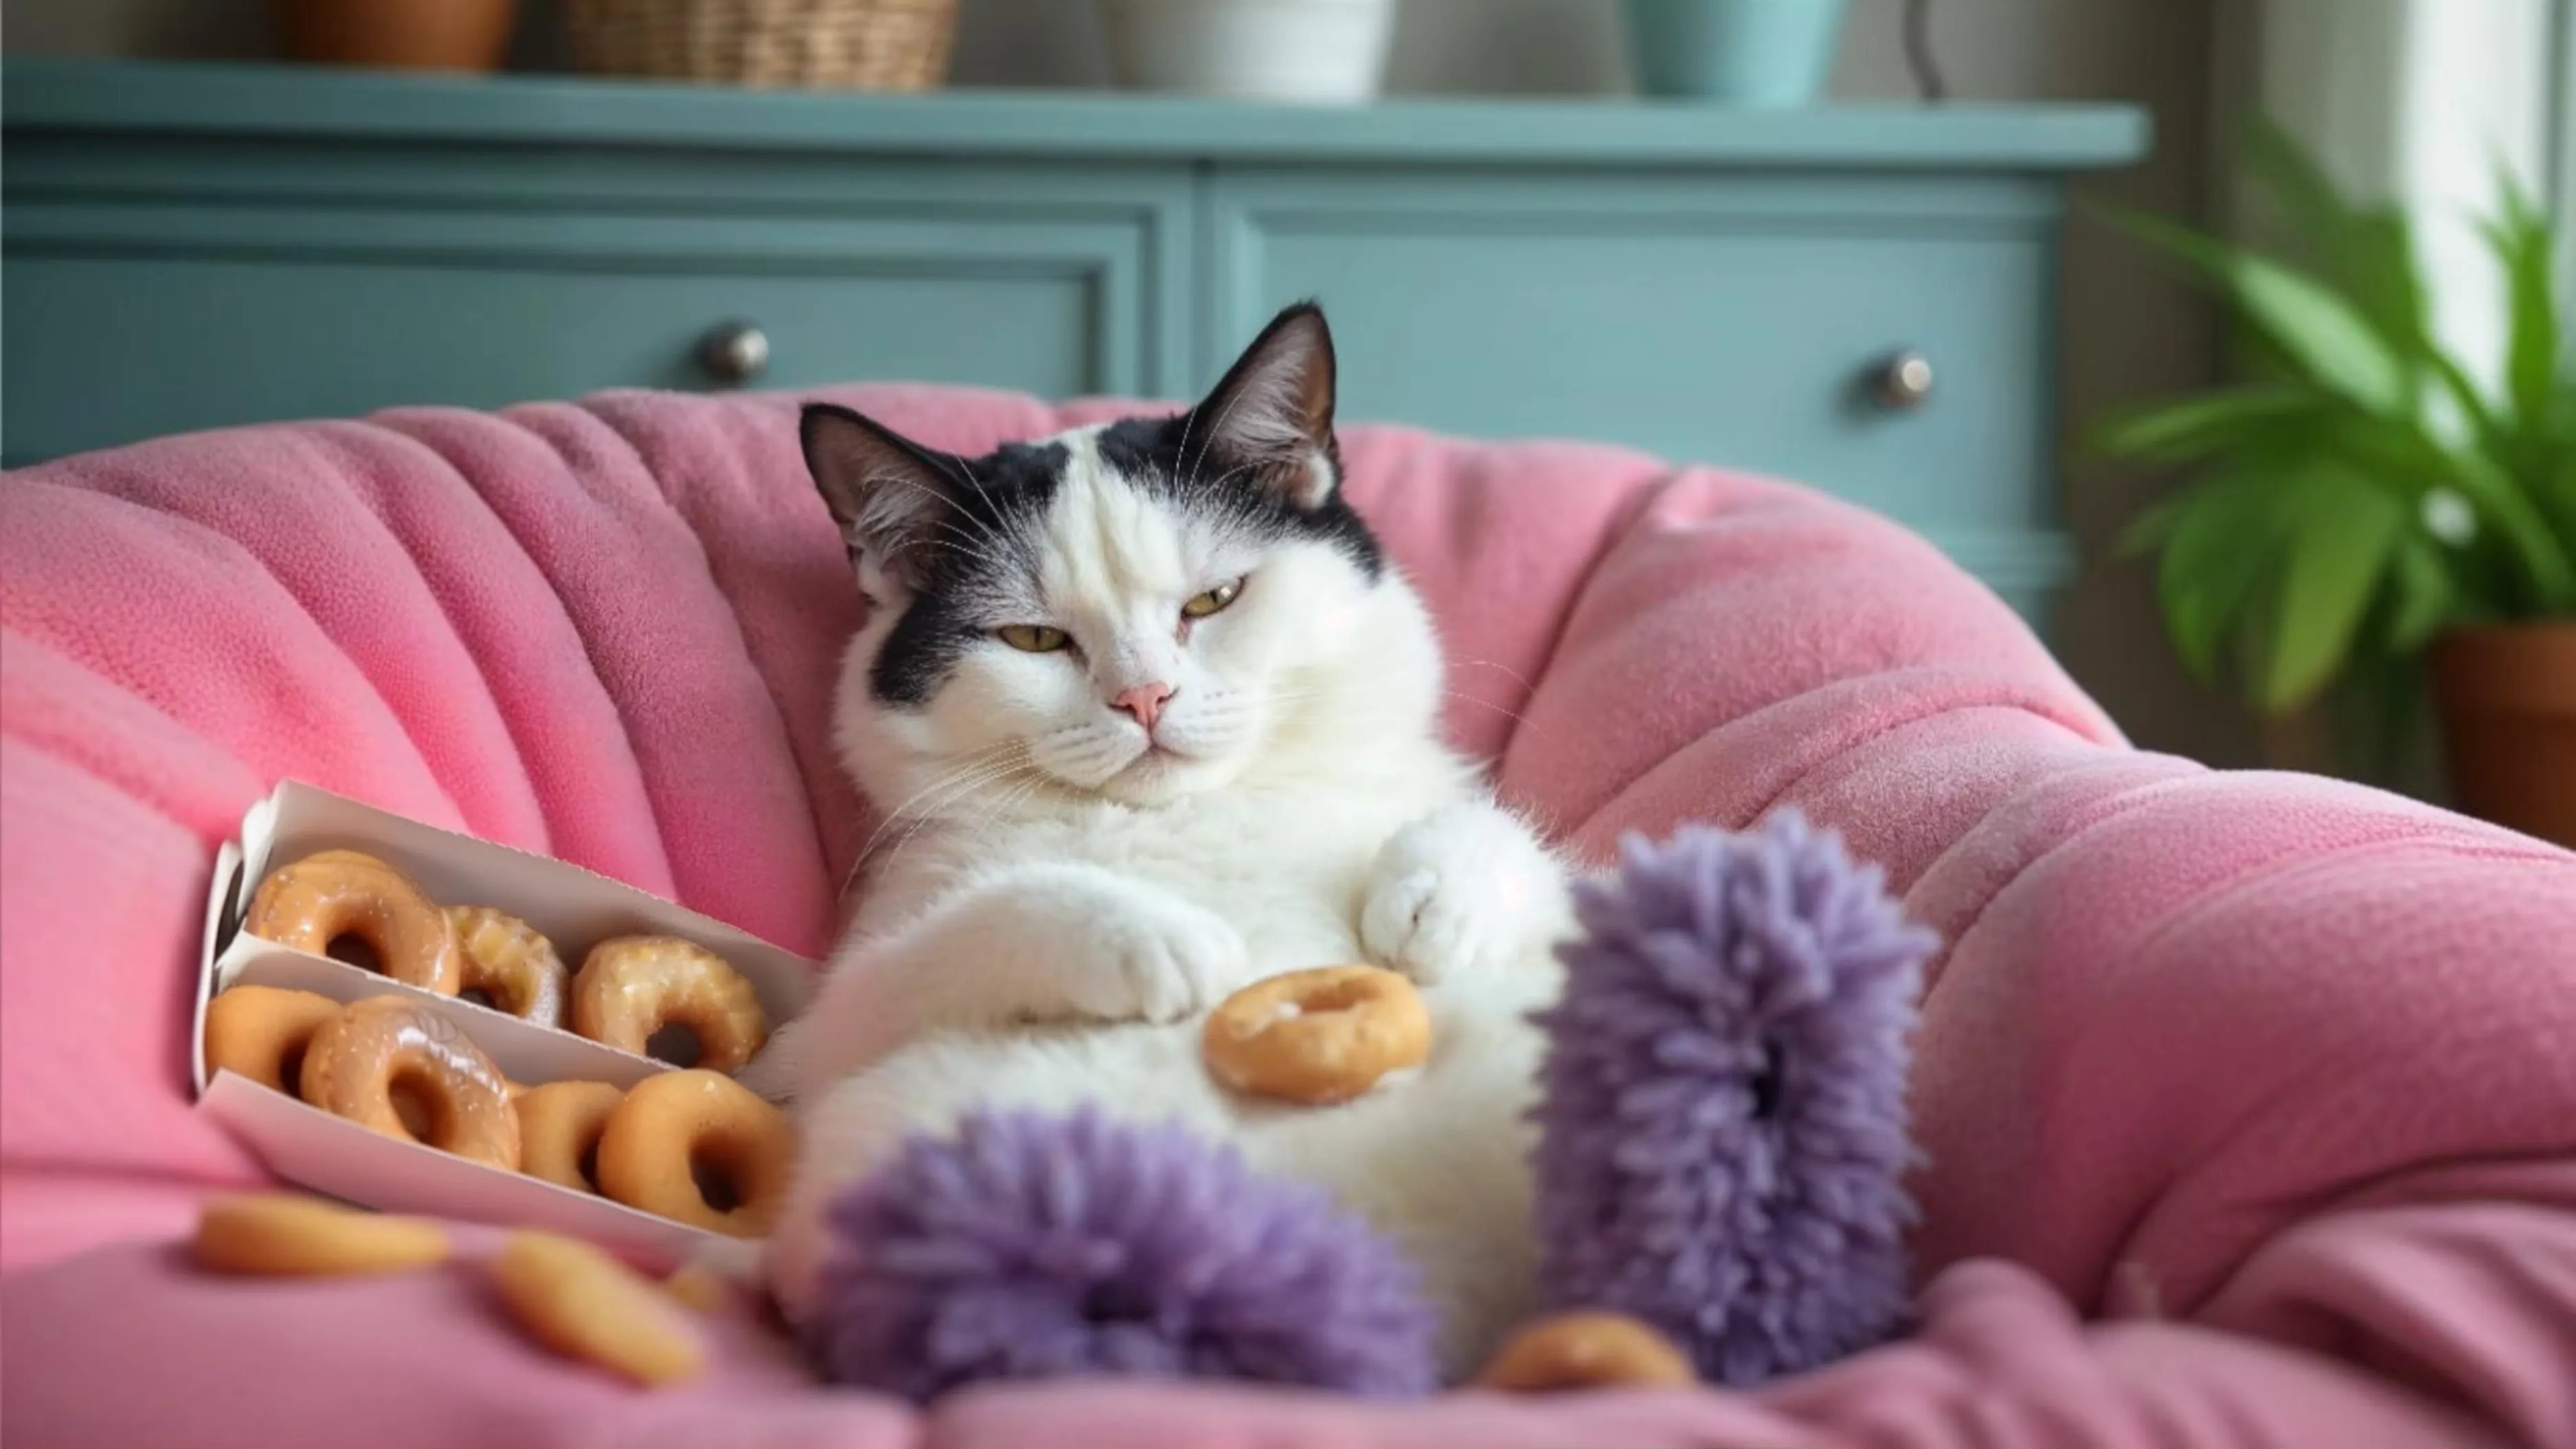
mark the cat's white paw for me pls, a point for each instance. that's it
(1464, 890)
(1155, 961)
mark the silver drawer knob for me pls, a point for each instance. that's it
(736, 352)
(1903, 381)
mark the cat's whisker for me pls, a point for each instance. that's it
(1230, 474)
(957, 466)
(1014, 776)
(965, 765)
(963, 786)
(958, 778)
(1191, 473)
(1515, 675)
(986, 548)
(1009, 801)
(1189, 420)
(913, 828)
(1514, 716)
(1295, 696)
(959, 789)
(962, 542)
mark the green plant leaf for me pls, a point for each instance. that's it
(2407, 461)
(2325, 337)
(2339, 551)
(2547, 567)
(2185, 430)
(2153, 527)
(2481, 419)
(2400, 456)
(2520, 237)
(2365, 252)
(2420, 594)
(2218, 546)
(2378, 269)
(2308, 197)
(2552, 473)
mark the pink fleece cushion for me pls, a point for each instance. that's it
(2265, 1077)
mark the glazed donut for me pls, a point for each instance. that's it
(284, 1235)
(1318, 1036)
(586, 1305)
(701, 1289)
(343, 893)
(262, 1032)
(510, 964)
(1586, 1351)
(559, 1129)
(383, 1045)
(633, 986)
(697, 1147)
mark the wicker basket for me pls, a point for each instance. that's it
(876, 45)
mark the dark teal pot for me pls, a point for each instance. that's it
(1741, 52)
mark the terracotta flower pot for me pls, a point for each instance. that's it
(404, 34)
(2508, 702)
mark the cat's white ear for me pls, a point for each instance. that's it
(888, 493)
(1273, 412)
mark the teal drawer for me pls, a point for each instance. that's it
(1740, 321)
(127, 321)
(203, 244)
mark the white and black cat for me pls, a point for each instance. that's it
(1154, 717)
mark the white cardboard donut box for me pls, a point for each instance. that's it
(573, 907)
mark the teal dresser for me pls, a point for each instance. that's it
(1863, 299)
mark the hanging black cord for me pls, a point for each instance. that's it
(1918, 51)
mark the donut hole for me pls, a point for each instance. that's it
(589, 1165)
(713, 1172)
(415, 1101)
(480, 997)
(231, 924)
(675, 1042)
(355, 950)
(1333, 996)
(290, 1064)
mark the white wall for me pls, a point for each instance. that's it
(2129, 331)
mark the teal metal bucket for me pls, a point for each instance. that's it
(1741, 52)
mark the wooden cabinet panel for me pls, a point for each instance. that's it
(1744, 322)
(190, 246)
(128, 320)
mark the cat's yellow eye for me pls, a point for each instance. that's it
(1213, 601)
(1033, 638)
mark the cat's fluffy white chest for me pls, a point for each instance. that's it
(1420, 872)
(1289, 869)
(1437, 1159)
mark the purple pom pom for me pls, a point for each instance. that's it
(1722, 1127)
(1047, 1246)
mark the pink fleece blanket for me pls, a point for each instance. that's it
(2249, 1101)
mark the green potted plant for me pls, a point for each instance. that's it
(2360, 506)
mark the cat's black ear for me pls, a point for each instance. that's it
(1272, 415)
(888, 493)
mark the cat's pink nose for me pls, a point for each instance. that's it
(1145, 702)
